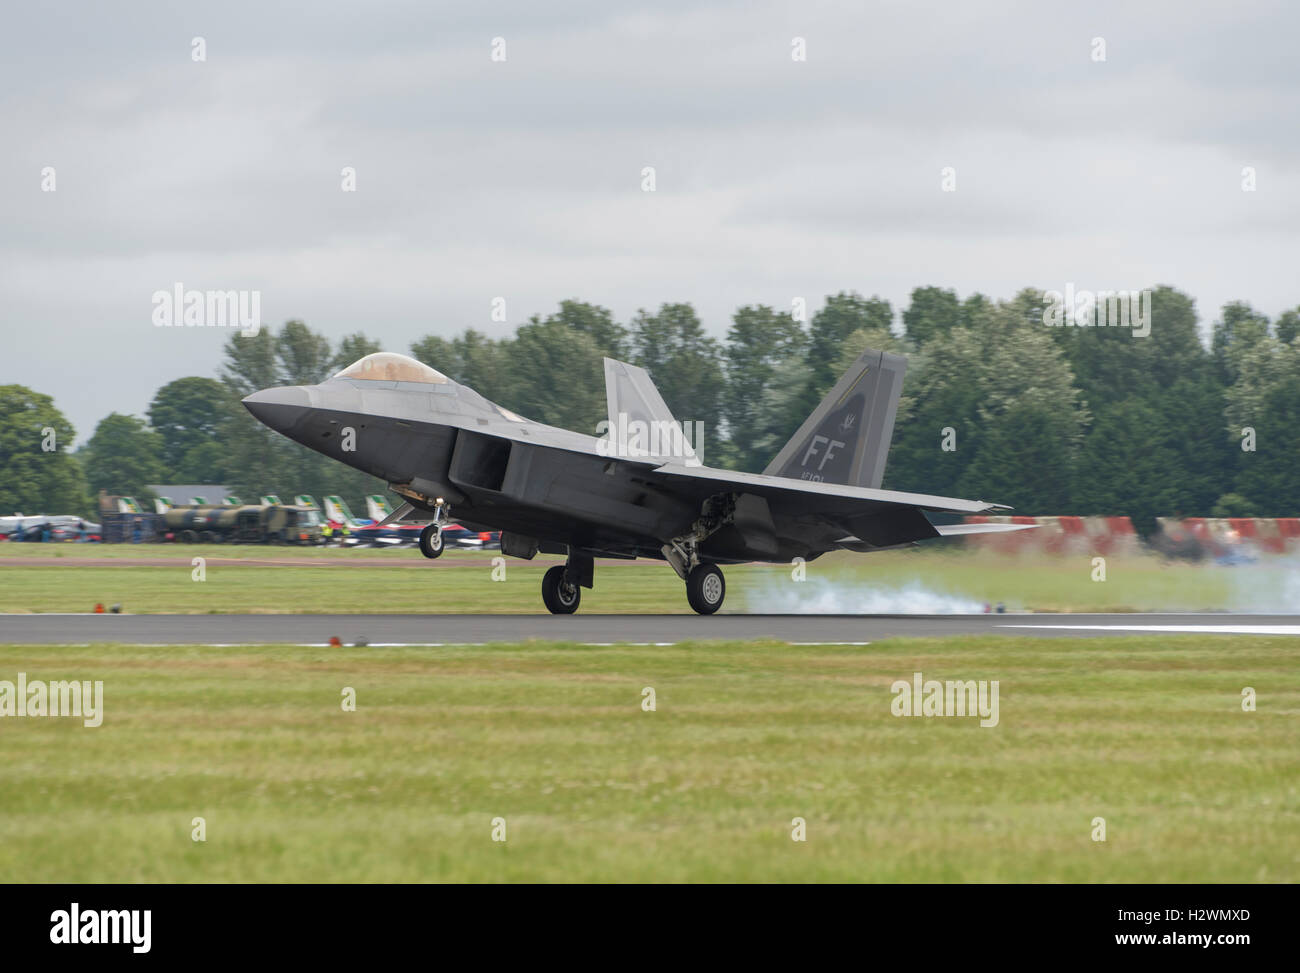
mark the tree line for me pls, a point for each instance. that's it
(996, 406)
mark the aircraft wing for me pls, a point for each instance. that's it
(832, 497)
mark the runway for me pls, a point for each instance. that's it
(52, 629)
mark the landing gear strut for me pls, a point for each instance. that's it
(705, 587)
(431, 536)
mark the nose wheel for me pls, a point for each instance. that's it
(431, 536)
(431, 541)
(705, 588)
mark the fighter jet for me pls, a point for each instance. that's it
(638, 490)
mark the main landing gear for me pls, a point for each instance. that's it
(705, 588)
(431, 536)
(562, 585)
(561, 596)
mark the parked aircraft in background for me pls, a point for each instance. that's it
(336, 509)
(44, 527)
(442, 446)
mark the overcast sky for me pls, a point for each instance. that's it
(521, 178)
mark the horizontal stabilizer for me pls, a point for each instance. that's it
(776, 486)
(957, 530)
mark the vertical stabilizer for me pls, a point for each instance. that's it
(846, 439)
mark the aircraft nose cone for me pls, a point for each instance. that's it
(280, 408)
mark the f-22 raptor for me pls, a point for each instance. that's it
(637, 491)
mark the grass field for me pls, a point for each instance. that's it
(1148, 733)
(159, 578)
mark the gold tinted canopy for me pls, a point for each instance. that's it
(388, 366)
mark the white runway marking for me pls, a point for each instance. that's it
(1191, 629)
(423, 645)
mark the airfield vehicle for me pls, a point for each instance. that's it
(247, 524)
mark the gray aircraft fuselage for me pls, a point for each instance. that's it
(498, 471)
(449, 451)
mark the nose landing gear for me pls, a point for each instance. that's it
(431, 536)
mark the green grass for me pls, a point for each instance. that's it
(333, 580)
(1145, 732)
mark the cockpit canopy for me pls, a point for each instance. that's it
(388, 366)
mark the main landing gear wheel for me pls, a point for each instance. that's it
(431, 541)
(561, 596)
(705, 588)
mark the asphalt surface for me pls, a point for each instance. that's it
(599, 629)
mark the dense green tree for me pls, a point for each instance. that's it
(938, 434)
(188, 415)
(987, 399)
(1024, 460)
(843, 314)
(1192, 410)
(932, 312)
(684, 362)
(1113, 363)
(975, 310)
(304, 356)
(1287, 325)
(37, 473)
(597, 323)
(1125, 463)
(557, 377)
(250, 363)
(123, 456)
(1239, 329)
(1030, 411)
(1233, 505)
(764, 347)
(1263, 411)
